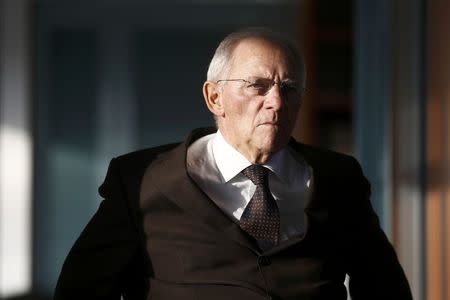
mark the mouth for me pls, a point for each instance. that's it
(270, 123)
(270, 126)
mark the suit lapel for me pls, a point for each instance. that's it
(315, 209)
(169, 175)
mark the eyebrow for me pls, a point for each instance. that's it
(266, 78)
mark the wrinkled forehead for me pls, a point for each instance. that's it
(260, 52)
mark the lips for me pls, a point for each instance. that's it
(271, 124)
(273, 120)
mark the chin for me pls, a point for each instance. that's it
(272, 144)
(271, 138)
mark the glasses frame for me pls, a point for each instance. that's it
(299, 91)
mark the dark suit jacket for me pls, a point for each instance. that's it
(157, 231)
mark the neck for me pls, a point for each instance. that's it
(256, 158)
(253, 154)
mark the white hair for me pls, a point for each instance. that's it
(221, 62)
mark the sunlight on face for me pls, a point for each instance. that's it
(259, 125)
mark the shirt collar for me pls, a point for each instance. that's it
(231, 162)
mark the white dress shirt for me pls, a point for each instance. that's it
(215, 166)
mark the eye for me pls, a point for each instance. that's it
(289, 87)
(259, 86)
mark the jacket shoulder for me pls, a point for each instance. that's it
(144, 155)
(322, 157)
(129, 168)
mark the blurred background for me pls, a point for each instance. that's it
(84, 81)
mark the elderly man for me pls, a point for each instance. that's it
(238, 212)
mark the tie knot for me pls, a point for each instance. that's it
(256, 173)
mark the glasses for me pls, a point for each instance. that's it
(262, 86)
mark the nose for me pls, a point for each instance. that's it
(274, 98)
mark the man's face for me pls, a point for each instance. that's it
(258, 123)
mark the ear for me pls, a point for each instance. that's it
(213, 98)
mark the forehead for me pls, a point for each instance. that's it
(261, 57)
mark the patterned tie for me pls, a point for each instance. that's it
(261, 218)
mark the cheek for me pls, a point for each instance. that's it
(239, 112)
(293, 113)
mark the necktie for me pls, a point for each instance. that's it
(261, 218)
